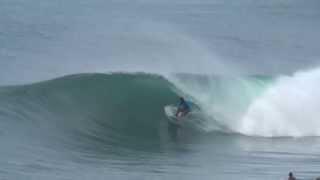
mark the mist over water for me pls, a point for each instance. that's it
(97, 75)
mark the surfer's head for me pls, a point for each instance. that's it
(290, 174)
(181, 99)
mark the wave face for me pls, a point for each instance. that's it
(91, 111)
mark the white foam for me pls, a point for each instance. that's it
(289, 108)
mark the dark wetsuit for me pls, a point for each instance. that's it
(184, 106)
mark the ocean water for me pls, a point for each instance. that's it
(83, 86)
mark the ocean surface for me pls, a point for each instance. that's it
(83, 86)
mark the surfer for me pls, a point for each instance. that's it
(183, 108)
(291, 177)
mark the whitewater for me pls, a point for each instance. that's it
(84, 85)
